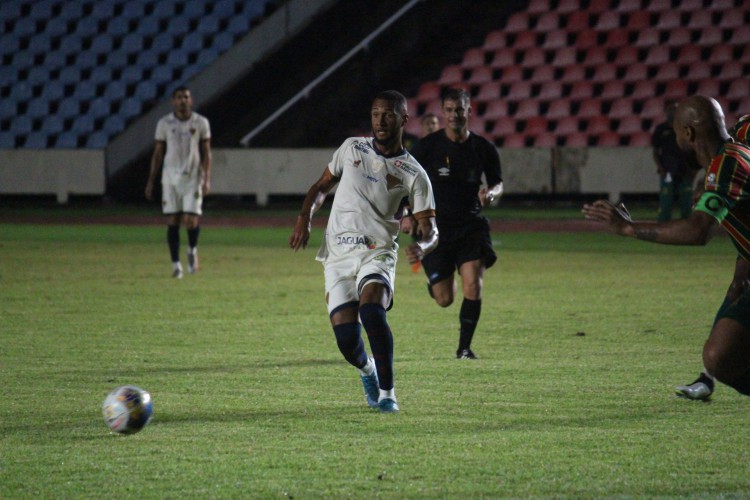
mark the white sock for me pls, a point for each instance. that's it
(176, 266)
(368, 368)
(193, 250)
(707, 374)
(389, 394)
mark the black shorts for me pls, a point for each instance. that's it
(449, 255)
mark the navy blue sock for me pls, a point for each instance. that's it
(740, 384)
(193, 236)
(349, 340)
(173, 240)
(381, 341)
(468, 317)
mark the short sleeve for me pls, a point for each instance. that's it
(161, 130)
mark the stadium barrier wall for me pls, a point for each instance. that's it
(267, 172)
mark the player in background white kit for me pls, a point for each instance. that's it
(183, 147)
(359, 250)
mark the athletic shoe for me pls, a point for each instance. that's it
(372, 389)
(465, 354)
(177, 273)
(698, 390)
(192, 262)
(388, 406)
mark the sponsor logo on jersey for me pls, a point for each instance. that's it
(405, 167)
(358, 241)
(370, 178)
(362, 147)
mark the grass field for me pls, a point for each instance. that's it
(582, 339)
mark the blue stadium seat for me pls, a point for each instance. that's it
(177, 59)
(9, 43)
(21, 125)
(206, 57)
(21, 91)
(7, 140)
(224, 8)
(131, 74)
(161, 74)
(69, 75)
(163, 42)
(97, 140)
(208, 25)
(130, 107)
(53, 90)
(178, 26)
(23, 59)
(38, 108)
(84, 90)
(103, 10)
(102, 43)
(24, 26)
(88, 26)
(72, 11)
(10, 10)
(54, 60)
(115, 90)
(67, 140)
(84, 124)
(8, 108)
(148, 59)
(38, 75)
(53, 125)
(36, 140)
(238, 25)
(148, 26)
(56, 27)
(113, 125)
(87, 59)
(41, 10)
(254, 9)
(222, 42)
(99, 108)
(40, 44)
(69, 108)
(134, 10)
(194, 9)
(101, 74)
(146, 91)
(117, 26)
(71, 44)
(193, 42)
(132, 42)
(118, 59)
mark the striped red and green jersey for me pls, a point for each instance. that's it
(727, 196)
(741, 130)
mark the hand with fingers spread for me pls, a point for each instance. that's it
(616, 217)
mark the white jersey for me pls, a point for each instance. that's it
(368, 196)
(182, 159)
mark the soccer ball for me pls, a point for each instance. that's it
(127, 409)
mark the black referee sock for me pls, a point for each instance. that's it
(193, 236)
(381, 342)
(468, 317)
(173, 240)
(349, 340)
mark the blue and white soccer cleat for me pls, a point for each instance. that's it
(388, 405)
(372, 389)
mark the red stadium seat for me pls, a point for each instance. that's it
(428, 91)
(550, 90)
(573, 73)
(595, 56)
(689, 54)
(698, 71)
(517, 22)
(608, 20)
(660, 5)
(496, 109)
(536, 125)
(629, 6)
(587, 39)
(514, 141)
(738, 89)
(480, 75)
(653, 108)
(489, 92)
(538, 6)
(740, 35)
(504, 56)
(527, 109)
(477, 125)
(709, 88)
(626, 56)
(451, 75)
(548, 21)
(568, 6)
(618, 37)
(494, 40)
(667, 71)
(622, 108)
(582, 89)
(630, 125)
(525, 40)
(640, 139)
(598, 125)
(511, 74)
(519, 91)
(560, 108)
(638, 19)
(473, 57)
(577, 140)
(700, 19)
(608, 139)
(555, 39)
(590, 108)
(732, 18)
(542, 74)
(691, 5)
(564, 56)
(710, 36)
(545, 140)
(613, 89)
(567, 125)
(533, 56)
(604, 73)
(644, 89)
(647, 37)
(730, 70)
(669, 19)
(657, 55)
(636, 72)
(578, 21)
(503, 126)
(678, 37)
(676, 89)
(721, 53)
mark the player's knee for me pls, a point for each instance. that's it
(443, 300)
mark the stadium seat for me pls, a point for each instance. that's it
(547, 22)
(21, 125)
(513, 141)
(573, 74)
(238, 25)
(676, 89)
(542, 74)
(653, 108)
(596, 125)
(36, 140)
(640, 139)
(517, 22)
(519, 91)
(83, 124)
(99, 108)
(96, 140)
(626, 55)
(564, 56)
(568, 6)
(428, 91)
(669, 19)
(8, 108)
(738, 89)
(732, 18)
(494, 40)
(525, 40)
(504, 56)
(589, 108)
(496, 109)
(709, 88)
(451, 75)
(635, 72)
(630, 125)
(581, 90)
(595, 56)
(637, 19)
(511, 74)
(131, 107)
(666, 72)
(587, 39)
(536, 125)
(730, 70)
(503, 127)
(527, 109)
(544, 140)
(622, 107)
(608, 21)
(37, 108)
(558, 108)
(721, 53)
(489, 92)
(7, 140)
(67, 140)
(473, 57)
(567, 125)
(710, 36)
(608, 139)
(644, 89)
(698, 71)
(613, 89)
(740, 35)
(578, 21)
(690, 54)
(647, 37)
(556, 39)
(604, 73)
(208, 25)
(550, 90)
(178, 26)
(577, 140)
(700, 19)
(533, 56)
(657, 55)
(480, 75)
(538, 6)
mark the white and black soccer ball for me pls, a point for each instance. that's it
(127, 409)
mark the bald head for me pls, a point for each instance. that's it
(699, 128)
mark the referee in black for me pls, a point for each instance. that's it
(455, 160)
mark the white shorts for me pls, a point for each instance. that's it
(345, 277)
(185, 197)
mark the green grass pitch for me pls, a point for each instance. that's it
(582, 339)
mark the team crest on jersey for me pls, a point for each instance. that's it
(357, 163)
(711, 179)
(392, 182)
(444, 171)
(378, 165)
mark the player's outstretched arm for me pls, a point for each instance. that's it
(315, 197)
(695, 230)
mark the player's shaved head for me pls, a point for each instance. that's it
(704, 115)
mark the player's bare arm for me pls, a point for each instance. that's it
(429, 236)
(489, 195)
(206, 164)
(695, 230)
(313, 200)
(157, 158)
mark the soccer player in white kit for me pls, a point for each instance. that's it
(183, 147)
(359, 250)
